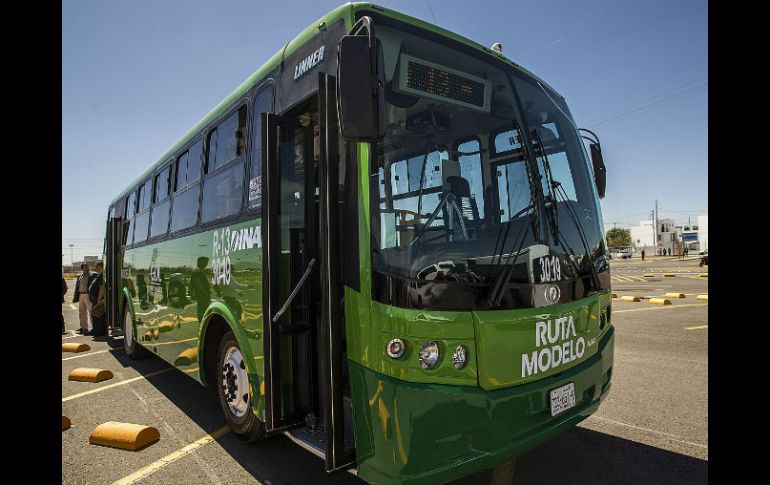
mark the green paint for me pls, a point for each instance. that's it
(427, 433)
(411, 425)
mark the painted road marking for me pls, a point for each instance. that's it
(73, 306)
(699, 327)
(75, 335)
(666, 307)
(671, 436)
(110, 386)
(86, 355)
(172, 457)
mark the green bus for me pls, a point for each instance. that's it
(385, 244)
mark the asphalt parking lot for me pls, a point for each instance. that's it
(652, 428)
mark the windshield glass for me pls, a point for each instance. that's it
(460, 179)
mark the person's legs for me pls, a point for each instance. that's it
(85, 313)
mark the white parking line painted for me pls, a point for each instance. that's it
(74, 307)
(86, 355)
(172, 457)
(669, 435)
(74, 336)
(110, 386)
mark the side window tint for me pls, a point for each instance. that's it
(222, 194)
(159, 224)
(188, 166)
(184, 211)
(162, 184)
(227, 141)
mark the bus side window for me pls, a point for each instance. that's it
(129, 216)
(160, 211)
(142, 222)
(263, 103)
(226, 142)
(184, 202)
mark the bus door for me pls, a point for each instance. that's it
(337, 412)
(117, 230)
(290, 268)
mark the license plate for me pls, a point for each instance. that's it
(562, 398)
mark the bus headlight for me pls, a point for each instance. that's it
(429, 354)
(395, 348)
(460, 357)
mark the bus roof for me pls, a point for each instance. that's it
(347, 12)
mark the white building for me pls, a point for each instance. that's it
(703, 232)
(668, 237)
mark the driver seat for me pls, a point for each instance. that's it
(461, 189)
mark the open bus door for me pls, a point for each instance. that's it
(304, 328)
(117, 230)
(340, 446)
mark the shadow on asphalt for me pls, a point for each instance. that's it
(579, 456)
(274, 461)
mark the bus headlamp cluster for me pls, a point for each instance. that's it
(429, 353)
(459, 357)
(395, 348)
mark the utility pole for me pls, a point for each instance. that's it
(655, 223)
(72, 258)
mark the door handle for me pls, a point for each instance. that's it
(294, 291)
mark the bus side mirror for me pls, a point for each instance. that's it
(360, 93)
(600, 171)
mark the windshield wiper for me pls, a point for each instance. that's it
(554, 187)
(571, 212)
(496, 292)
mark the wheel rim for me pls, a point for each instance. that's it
(235, 382)
(128, 330)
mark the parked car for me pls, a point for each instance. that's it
(623, 254)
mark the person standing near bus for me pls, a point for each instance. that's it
(63, 292)
(642, 254)
(84, 304)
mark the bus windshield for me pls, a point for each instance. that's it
(481, 167)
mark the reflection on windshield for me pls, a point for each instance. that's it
(460, 171)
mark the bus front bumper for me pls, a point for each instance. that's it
(424, 433)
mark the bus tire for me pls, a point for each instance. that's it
(234, 391)
(130, 345)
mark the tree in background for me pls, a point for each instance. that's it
(619, 238)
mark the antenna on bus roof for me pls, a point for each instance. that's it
(497, 47)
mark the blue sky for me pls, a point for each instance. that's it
(137, 75)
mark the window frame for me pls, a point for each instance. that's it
(206, 176)
(138, 213)
(267, 84)
(171, 165)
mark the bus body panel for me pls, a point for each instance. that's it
(182, 282)
(429, 433)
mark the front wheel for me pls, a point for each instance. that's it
(235, 392)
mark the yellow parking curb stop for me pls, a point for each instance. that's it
(86, 374)
(65, 423)
(629, 298)
(126, 436)
(702, 297)
(660, 301)
(669, 275)
(648, 275)
(74, 347)
(187, 357)
(703, 275)
(675, 295)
